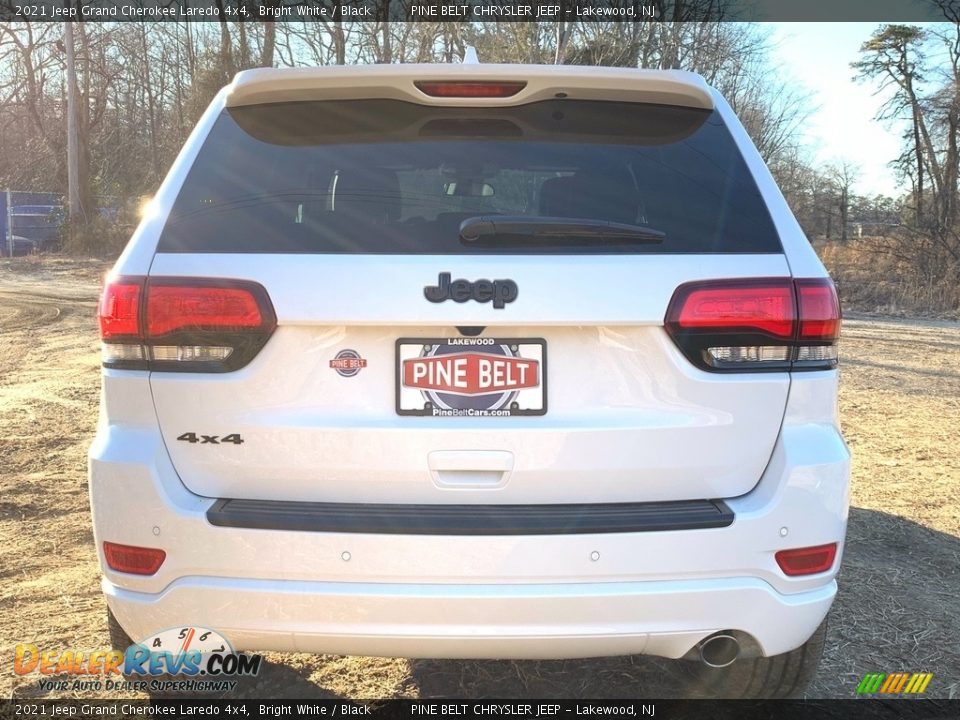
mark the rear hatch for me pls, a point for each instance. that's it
(469, 304)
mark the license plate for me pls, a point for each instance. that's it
(471, 377)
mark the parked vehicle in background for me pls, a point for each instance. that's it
(487, 361)
(17, 246)
(37, 226)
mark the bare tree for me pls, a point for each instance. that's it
(141, 87)
(842, 176)
(894, 56)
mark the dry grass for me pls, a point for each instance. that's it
(898, 607)
(871, 281)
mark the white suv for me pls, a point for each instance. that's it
(474, 361)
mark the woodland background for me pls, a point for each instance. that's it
(142, 86)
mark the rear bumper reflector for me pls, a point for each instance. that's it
(133, 559)
(470, 519)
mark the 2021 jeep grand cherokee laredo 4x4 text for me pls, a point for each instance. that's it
(474, 361)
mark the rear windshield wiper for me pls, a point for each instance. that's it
(526, 230)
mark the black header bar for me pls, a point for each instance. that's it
(903, 11)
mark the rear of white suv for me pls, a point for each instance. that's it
(474, 361)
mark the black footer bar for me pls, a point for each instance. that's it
(539, 709)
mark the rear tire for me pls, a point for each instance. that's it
(778, 676)
(119, 640)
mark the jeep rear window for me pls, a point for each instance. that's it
(386, 176)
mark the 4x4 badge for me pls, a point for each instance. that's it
(500, 292)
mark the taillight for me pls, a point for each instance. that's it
(808, 560)
(175, 308)
(119, 311)
(819, 310)
(183, 324)
(470, 89)
(756, 324)
(133, 559)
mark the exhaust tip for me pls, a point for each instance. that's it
(719, 650)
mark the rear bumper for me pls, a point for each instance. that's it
(476, 621)
(521, 596)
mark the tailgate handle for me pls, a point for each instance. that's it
(471, 460)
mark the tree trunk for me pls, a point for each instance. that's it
(269, 43)
(844, 213)
(151, 103)
(386, 55)
(562, 34)
(78, 164)
(918, 151)
(83, 126)
(340, 42)
(75, 206)
(244, 61)
(226, 45)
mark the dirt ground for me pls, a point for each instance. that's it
(899, 602)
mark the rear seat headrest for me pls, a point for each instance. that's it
(369, 193)
(602, 196)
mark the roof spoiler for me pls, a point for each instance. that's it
(399, 82)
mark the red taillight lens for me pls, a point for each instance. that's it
(819, 310)
(119, 309)
(808, 560)
(470, 89)
(748, 306)
(132, 559)
(175, 307)
(183, 324)
(756, 324)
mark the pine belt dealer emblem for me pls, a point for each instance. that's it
(348, 363)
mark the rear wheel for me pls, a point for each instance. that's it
(119, 640)
(778, 676)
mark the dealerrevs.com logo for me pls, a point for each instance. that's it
(185, 659)
(897, 683)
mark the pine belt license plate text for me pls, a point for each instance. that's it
(471, 377)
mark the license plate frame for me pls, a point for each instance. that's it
(523, 402)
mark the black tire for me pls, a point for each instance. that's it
(778, 676)
(119, 640)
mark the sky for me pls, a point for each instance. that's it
(817, 56)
